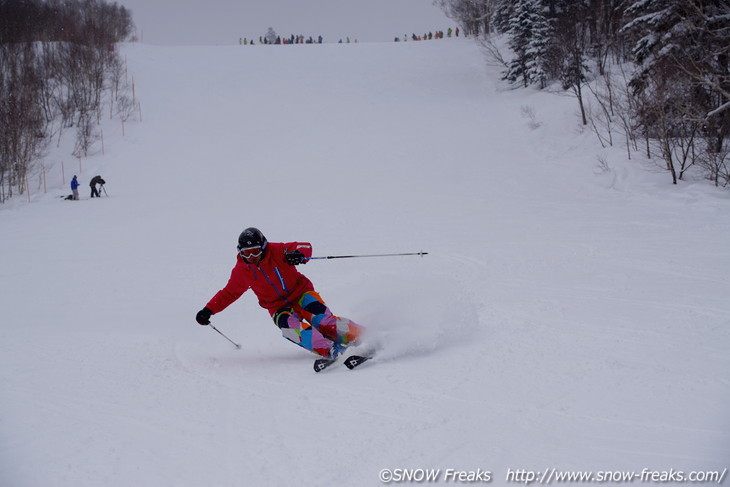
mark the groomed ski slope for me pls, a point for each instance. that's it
(564, 318)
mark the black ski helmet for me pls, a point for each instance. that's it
(251, 237)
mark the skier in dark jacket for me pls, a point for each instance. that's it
(269, 270)
(94, 181)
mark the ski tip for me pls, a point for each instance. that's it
(355, 361)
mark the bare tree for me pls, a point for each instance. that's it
(22, 137)
(572, 43)
(717, 166)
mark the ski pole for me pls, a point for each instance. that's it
(216, 329)
(370, 255)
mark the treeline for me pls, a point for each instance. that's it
(58, 70)
(654, 73)
(88, 22)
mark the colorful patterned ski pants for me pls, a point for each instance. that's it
(310, 324)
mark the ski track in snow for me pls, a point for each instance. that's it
(564, 318)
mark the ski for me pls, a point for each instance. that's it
(355, 361)
(359, 357)
(322, 363)
(351, 362)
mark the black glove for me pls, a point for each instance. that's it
(295, 258)
(203, 316)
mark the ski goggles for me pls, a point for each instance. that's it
(250, 252)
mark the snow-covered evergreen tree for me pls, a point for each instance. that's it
(503, 11)
(538, 48)
(657, 25)
(529, 38)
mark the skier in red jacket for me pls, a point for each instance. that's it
(269, 270)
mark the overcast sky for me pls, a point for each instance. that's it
(223, 22)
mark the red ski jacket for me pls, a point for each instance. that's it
(275, 283)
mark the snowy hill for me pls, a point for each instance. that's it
(564, 318)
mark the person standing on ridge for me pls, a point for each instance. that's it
(269, 269)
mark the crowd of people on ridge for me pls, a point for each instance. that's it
(279, 40)
(300, 39)
(439, 34)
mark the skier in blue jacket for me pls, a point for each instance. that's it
(75, 187)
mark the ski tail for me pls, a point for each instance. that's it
(322, 363)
